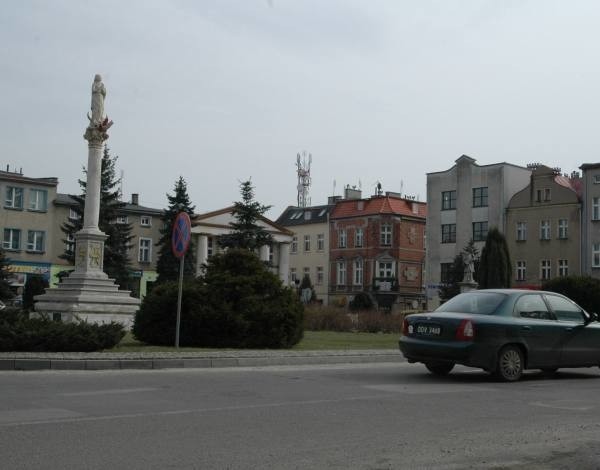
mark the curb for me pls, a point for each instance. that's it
(124, 363)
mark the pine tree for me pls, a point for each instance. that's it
(118, 243)
(495, 270)
(167, 265)
(246, 233)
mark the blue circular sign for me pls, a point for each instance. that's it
(182, 234)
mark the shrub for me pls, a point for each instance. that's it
(35, 285)
(379, 322)
(317, 318)
(584, 290)
(239, 303)
(20, 333)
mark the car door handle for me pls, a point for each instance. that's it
(526, 328)
(569, 328)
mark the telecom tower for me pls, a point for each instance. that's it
(303, 179)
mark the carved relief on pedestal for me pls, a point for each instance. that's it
(81, 258)
(95, 255)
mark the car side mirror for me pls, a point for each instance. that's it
(592, 316)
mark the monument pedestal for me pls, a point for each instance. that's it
(88, 293)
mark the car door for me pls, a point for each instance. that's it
(538, 328)
(580, 344)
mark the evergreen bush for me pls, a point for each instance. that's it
(361, 301)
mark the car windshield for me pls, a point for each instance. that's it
(484, 303)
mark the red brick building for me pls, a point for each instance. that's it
(377, 246)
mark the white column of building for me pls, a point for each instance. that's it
(202, 253)
(284, 263)
(264, 253)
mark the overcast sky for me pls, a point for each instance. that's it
(219, 91)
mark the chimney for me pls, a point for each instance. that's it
(135, 199)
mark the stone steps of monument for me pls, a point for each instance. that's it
(87, 296)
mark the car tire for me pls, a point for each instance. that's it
(439, 368)
(510, 364)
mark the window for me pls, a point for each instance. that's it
(563, 228)
(342, 238)
(386, 269)
(306, 272)
(271, 254)
(306, 242)
(320, 275)
(358, 238)
(521, 270)
(386, 234)
(293, 275)
(358, 272)
(38, 200)
(146, 221)
(480, 197)
(547, 194)
(544, 230)
(596, 179)
(73, 214)
(14, 198)
(341, 273)
(122, 219)
(320, 242)
(544, 269)
(446, 273)
(35, 241)
(596, 208)
(596, 255)
(12, 239)
(564, 309)
(294, 248)
(521, 231)
(538, 195)
(480, 230)
(307, 215)
(70, 243)
(209, 246)
(448, 200)
(449, 233)
(563, 267)
(532, 306)
(145, 253)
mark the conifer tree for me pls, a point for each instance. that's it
(246, 233)
(167, 265)
(118, 243)
(495, 270)
(5, 292)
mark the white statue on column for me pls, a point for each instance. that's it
(98, 95)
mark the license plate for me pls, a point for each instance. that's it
(429, 330)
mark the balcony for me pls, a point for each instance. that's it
(385, 284)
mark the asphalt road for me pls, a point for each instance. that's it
(373, 416)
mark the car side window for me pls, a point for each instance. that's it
(565, 310)
(532, 306)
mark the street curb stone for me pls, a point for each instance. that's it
(190, 360)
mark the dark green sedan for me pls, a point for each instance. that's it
(503, 331)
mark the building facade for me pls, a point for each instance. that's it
(309, 248)
(590, 219)
(463, 203)
(377, 247)
(543, 223)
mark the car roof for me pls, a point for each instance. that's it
(514, 291)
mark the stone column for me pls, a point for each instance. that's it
(202, 253)
(264, 253)
(284, 263)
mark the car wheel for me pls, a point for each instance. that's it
(509, 367)
(439, 368)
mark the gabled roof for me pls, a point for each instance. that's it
(379, 205)
(293, 215)
(222, 217)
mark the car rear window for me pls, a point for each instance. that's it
(483, 303)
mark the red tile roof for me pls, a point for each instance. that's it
(378, 205)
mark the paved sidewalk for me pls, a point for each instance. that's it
(190, 360)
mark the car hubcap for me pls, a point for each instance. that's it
(511, 363)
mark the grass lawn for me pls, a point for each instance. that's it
(313, 340)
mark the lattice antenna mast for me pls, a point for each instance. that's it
(304, 180)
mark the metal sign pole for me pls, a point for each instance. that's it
(179, 301)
